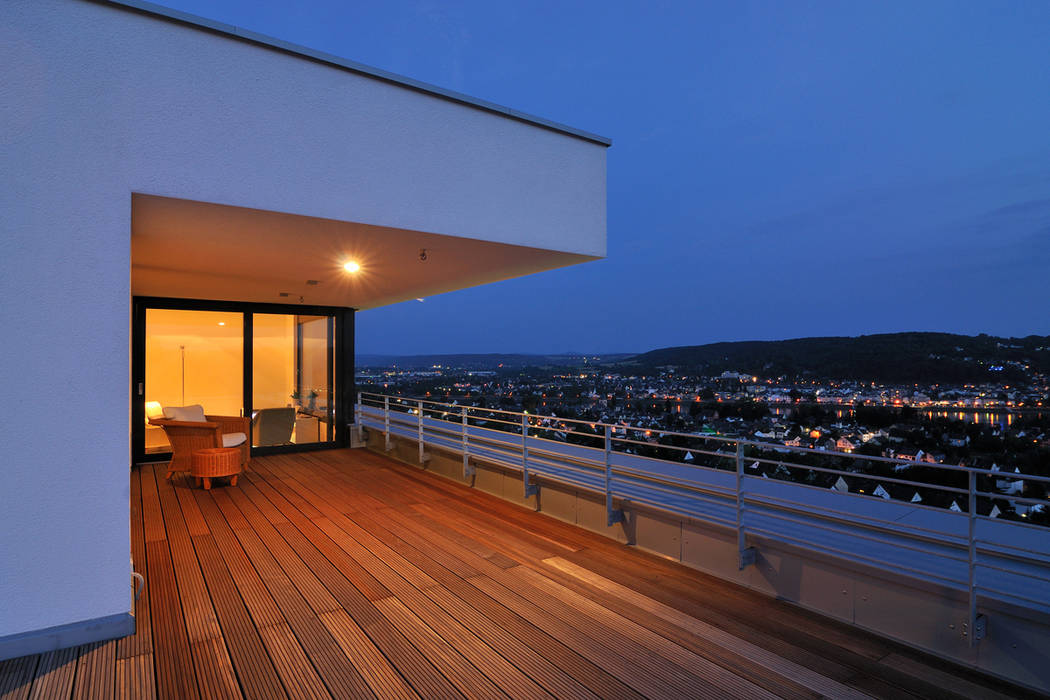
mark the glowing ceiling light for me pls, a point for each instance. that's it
(351, 266)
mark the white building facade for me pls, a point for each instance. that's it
(152, 154)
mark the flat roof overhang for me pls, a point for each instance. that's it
(198, 250)
(240, 34)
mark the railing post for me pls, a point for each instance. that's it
(530, 488)
(613, 515)
(419, 411)
(976, 625)
(468, 470)
(357, 411)
(746, 554)
(386, 423)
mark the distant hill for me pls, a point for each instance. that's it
(491, 361)
(889, 357)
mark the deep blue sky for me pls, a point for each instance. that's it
(778, 170)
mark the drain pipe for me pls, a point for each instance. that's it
(136, 576)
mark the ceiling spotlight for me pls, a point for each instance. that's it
(351, 266)
(422, 254)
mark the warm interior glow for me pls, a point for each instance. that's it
(351, 266)
(193, 357)
(196, 357)
(281, 344)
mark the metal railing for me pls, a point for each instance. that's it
(757, 489)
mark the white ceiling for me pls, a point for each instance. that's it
(196, 250)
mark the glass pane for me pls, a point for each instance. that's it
(192, 357)
(292, 379)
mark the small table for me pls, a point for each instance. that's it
(213, 462)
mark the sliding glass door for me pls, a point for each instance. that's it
(293, 373)
(290, 368)
(192, 357)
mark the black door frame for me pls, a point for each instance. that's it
(340, 348)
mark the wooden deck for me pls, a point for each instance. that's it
(346, 574)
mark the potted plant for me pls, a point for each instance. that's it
(313, 399)
(296, 398)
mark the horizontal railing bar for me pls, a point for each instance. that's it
(664, 508)
(870, 477)
(1014, 572)
(1002, 545)
(700, 489)
(648, 478)
(962, 539)
(1019, 499)
(879, 564)
(1032, 602)
(869, 538)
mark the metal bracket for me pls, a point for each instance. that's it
(468, 467)
(748, 557)
(980, 629)
(532, 490)
(141, 581)
(615, 516)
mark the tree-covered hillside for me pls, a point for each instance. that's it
(891, 357)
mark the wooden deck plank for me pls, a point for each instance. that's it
(197, 608)
(290, 661)
(406, 586)
(686, 629)
(558, 620)
(214, 669)
(416, 669)
(171, 646)
(256, 673)
(344, 574)
(16, 676)
(95, 675)
(260, 604)
(376, 669)
(467, 678)
(134, 678)
(702, 668)
(535, 643)
(359, 576)
(368, 552)
(300, 678)
(54, 674)
(281, 561)
(341, 678)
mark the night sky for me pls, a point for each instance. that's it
(778, 169)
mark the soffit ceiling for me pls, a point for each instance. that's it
(197, 250)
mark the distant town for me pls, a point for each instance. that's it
(1003, 427)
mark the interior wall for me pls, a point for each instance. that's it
(273, 360)
(101, 102)
(195, 357)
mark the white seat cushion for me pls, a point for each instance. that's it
(233, 439)
(189, 414)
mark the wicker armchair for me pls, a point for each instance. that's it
(187, 436)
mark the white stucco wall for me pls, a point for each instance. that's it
(97, 102)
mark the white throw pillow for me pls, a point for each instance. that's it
(189, 414)
(233, 439)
